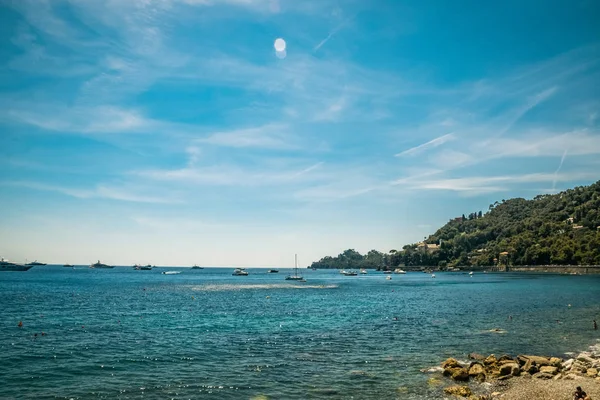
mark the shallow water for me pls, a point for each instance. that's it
(131, 334)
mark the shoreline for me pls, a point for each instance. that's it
(522, 377)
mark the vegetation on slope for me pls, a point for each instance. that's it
(562, 229)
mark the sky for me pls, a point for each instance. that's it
(172, 132)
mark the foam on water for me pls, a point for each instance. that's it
(258, 286)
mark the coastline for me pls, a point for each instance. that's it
(522, 377)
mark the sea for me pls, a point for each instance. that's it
(205, 334)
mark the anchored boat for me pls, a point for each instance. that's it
(6, 265)
(296, 276)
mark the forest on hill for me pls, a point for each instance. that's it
(558, 229)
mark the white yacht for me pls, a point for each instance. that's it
(240, 272)
(363, 271)
(399, 271)
(6, 265)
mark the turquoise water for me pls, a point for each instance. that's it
(206, 334)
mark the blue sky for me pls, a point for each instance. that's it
(171, 132)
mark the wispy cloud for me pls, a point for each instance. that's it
(331, 34)
(562, 160)
(474, 185)
(86, 120)
(271, 136)
(99, 192)
(429, 145)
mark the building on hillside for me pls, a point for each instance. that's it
(428, 247)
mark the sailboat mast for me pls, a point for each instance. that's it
(296, 264)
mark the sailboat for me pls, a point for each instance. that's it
(296, 276)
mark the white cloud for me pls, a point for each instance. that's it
(99, 192)
(271, 136)
(429, 145)
(102, 119)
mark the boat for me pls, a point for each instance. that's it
(399, 271)
(197, 267)
(171, 272)
(68, 266)
(273, 271)
(100, 265)
(388, 278)
(146, 267)
(363, 271)
(433, 275)
(137, 267)
(240, 272)
(387, 271)
(296, 276)
(35, 263)
(350, 273)
(6, 265)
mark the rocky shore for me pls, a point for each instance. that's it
(522, 377)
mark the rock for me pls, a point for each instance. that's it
(585, 358)
(505, 377)
(557, 377)
(567, 364)
(525, 375)
(462, 391)
(543, 375)
(461, 375)
(548, 370)
(476, 356)
(496, 394)
(505, 358)
(451, 363)
(598, 379)
(578, 367)
(451, 370)
(510, 369)
(490, 360)
(556, 362)
(530, 367)
(480, 378)
(539, 361)
(434, 382)
(592, 372)
(522, 360)
(476, 369)
(571, 377)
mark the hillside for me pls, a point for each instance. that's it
(562, 229)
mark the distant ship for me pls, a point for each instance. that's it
(296, 276)
(5, 265)
(100, 265)
(273, 271)
(197, 267)
(142, 267)
(35, 263)
(68, 266)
